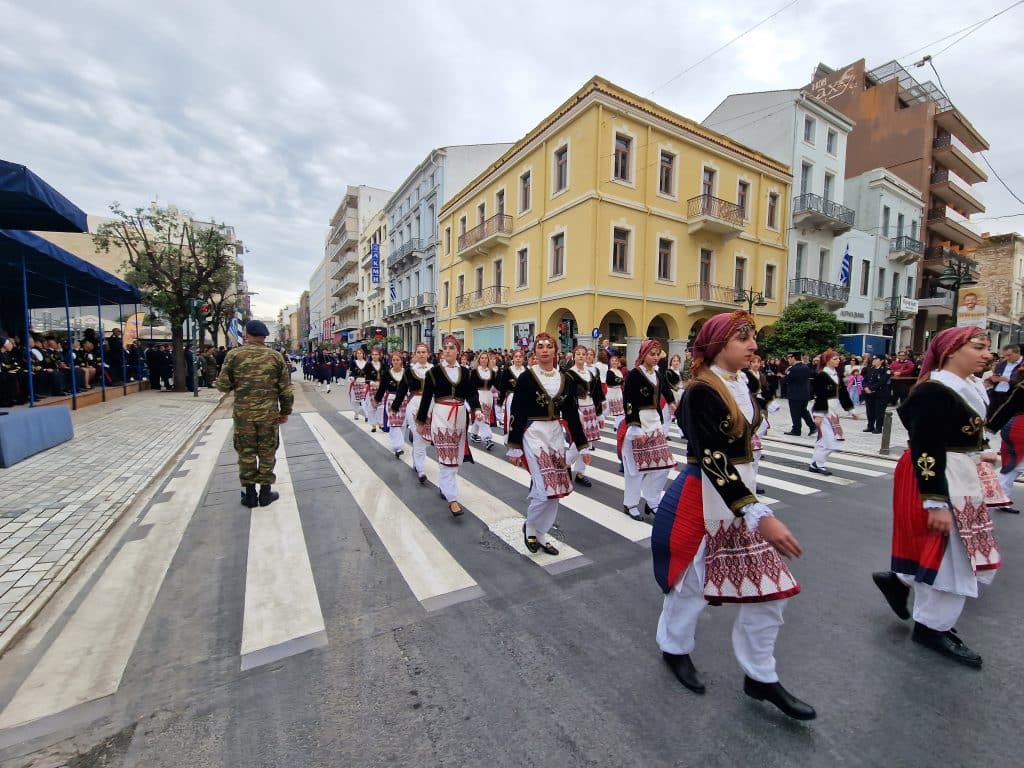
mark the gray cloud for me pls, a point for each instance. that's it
(260, 113)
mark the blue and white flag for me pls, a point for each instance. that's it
(234, 333)
(392, 291)
(845, 267)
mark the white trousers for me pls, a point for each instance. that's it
(648, 485)
(1007, 479)
(753, 634)
(419, 445)
(826, 443)
(574, 459)
(372, 414)
(541, 511)
(448, 482)
(396, 439)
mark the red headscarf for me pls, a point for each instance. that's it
(944, 344)
(452, 339)
(715, 334)
(646, 346)
(545, 336)
(424, 345)
(825, 356)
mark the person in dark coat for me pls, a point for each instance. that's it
(797, 384)
(876, 394)
(153, 364)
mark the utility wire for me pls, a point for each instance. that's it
(973, 27)
(726, 45)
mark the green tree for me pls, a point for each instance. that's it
(804, 327)
(223, 299)
(170, 260)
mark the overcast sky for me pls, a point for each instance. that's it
(259, 114)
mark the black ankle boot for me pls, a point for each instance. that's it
(775, 694)
(249, 495)
(267, 496)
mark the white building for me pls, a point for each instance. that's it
(810, 137)
(884, 252)
(372, 293)
(412, 235)
(319, 294)
(341, 251)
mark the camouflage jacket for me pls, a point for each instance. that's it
(258, 375)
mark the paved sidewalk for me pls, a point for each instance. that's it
(857, 441)
(55, 506)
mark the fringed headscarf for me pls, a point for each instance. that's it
(715, 334)
(646, 346)
(450, 338)
(825, 356)
(944, 344)
(424, 345)
(545, 336)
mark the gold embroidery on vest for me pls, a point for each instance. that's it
(974, 427)
(717, 465)
(926, 464)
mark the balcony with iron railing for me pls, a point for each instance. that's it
(706, 213)
(936, 299)
(812, 211)
(905, 249)
(829, 294)
(346, 263)
(482, 302)
(494, 231)
(952, 225)
(407, 252)
(347, 284)
(421, 303)
(953, 190)
(953, 154)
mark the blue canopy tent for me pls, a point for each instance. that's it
(28, 202)
(43, 275)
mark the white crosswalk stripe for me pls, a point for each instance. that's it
(501, 519)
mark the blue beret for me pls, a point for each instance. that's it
(257, 328)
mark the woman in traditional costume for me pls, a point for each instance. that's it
(507, 385)
(443, 415)
(943, 543)
(613, 394)
(674, 379)
(357, 386)
(373, 375)
(1008, 421)
(590, 399)
(411, 387)
(830, 400)
(713, 541)
(482, 378)
(646, 457)
(393, 409)
(544, 397)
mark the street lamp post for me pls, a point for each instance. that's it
(751, 297)
(959, 274)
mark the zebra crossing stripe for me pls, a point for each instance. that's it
(501, 519)
(845, 459)
(282, 615)
(86, 661)
(434, 576)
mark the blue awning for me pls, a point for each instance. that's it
(28, 202)
(48, 266)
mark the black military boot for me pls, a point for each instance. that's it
(249, 495)
(267, 496)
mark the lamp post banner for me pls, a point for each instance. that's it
(972, 306)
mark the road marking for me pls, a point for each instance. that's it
(434, 576)
(802, 472)
(501, 519)
(772, 445)
(841, 466)
(282, 615)
(88, 658)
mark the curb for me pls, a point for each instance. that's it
(36, 603)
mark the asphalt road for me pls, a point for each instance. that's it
(531, 666)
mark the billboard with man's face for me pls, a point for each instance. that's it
(972, 308)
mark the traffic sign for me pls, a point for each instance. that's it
(596, 333)
(524, 343)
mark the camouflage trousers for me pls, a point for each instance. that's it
(256, 445)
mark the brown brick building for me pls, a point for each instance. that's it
(1001, 260)
(913, 130)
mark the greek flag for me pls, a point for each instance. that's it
(392, 291)
(845, 267)
(236, 331)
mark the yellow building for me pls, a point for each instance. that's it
(613, 214)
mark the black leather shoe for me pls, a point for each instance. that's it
(894, 590)
(422, 479)
(878, 431)
(550, 548)
(267, 496)
(531, 541)
(812, 467)
(584, 481)
(794, 434)
(947, 643)
(249, 498)
(682, 667)
(869, 429)
(1011, 510)
(760, 489)
(775, 694)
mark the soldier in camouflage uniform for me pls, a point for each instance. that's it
(259, 377)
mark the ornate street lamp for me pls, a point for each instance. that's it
(959, 273)
(751, 297)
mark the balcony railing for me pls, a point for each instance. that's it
(708, 205)
(905, 249)
(498, 225)
(709, 292)
(819, 210)
(953, 152)
(406, 249)
(806, 286)
(420, 301)
(482, 299)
